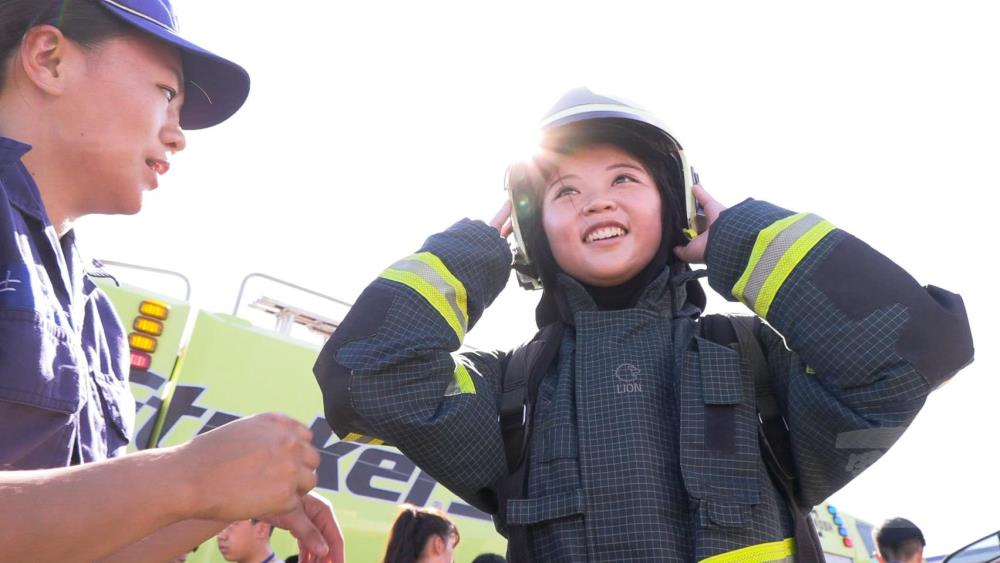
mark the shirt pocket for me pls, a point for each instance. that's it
(40, 366)
(118, 408)
(720, 457)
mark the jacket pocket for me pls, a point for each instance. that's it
(720, 459)
(530, 511)
(40, 368)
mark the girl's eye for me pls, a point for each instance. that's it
(564, 190)
(622, 178)
(169, 92)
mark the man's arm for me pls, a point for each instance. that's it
(87, 512)
(312, 522)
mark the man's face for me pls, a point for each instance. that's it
(238, 540)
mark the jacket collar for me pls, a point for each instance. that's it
(11, 151)
(677, 284)
(18, 183)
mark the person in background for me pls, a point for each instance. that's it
(94, 98)
(900, 541)
(247, 541)
(421, 535)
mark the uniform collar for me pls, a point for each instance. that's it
(18, 183)
(11, 150)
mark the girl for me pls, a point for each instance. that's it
(643, 442)
(93, 98)
(421, 535)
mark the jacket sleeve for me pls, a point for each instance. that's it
(857, 344)
(390, 374)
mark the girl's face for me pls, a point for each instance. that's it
(120, 121)
(601, 214)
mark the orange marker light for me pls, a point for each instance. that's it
(155, 309)
(149, 326)
(141, 342)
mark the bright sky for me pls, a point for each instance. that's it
(372, 125)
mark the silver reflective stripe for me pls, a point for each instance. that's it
(431, 276)
(778, 247)
(869, 439)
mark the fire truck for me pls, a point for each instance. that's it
(194, 370)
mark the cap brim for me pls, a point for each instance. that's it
(214, 89)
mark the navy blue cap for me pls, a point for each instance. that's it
(214, 87)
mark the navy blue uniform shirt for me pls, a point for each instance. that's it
(64, 395)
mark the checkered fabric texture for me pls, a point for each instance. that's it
(620, 468)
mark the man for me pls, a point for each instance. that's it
(247, 541)
(900, 541)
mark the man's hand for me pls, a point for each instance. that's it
(694, 251)
(315, 526)
(257, 465)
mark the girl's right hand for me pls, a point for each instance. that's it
(694, 251)
(502, 222)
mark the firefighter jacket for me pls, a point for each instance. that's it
(644, 437)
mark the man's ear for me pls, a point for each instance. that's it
(43, 58)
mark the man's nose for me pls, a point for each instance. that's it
(172, 135)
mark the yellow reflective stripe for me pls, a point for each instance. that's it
(361, 438)
(428, 276)
(787, 264)
(782, 550)
(460, 295)
(764, 239)
(462, 382)
(777, 251)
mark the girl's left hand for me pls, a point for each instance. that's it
(694, 251)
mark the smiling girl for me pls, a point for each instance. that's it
(642, 443)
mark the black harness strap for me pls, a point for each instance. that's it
(775, 443)
(521, 379)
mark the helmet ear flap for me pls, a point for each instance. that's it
(525, 221)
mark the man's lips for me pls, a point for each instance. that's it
(157, 165)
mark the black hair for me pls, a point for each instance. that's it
(489, 558)
(899, 539)
(411, 531)
(83, 21)
(642, 141)
(270, 526)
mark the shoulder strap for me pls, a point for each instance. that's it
(520, 380)
(774, 438)
(519, 389)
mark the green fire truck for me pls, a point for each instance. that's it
(194, 370)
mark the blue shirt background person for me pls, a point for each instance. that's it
(64, 395)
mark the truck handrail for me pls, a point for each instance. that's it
(187, 283)
(239, 296)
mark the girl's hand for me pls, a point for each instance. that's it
(694, 251)
(502, 222)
